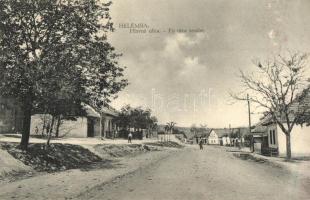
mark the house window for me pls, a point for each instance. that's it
(272, 137)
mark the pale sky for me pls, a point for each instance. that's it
(186, 77)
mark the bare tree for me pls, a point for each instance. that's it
(281, 89)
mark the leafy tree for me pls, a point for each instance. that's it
(178, 131)
(137, 118)
(280, 87)
(123, 119)
(153, 122)
(202, 129)
(56, 53)
(194, 129)
(152, 125)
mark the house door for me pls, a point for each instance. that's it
(90, 128)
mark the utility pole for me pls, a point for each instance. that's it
(249, 110)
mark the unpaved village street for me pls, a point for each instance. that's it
(188, 173)
(208, 174)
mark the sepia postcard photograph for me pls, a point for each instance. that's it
(155, 99)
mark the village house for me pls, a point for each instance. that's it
(11, 116)
(194, 137)
(220, 136)
(92, 124)
(269, 139)
(109, 127)
(189, 136)
(260, 139)
(225, 140)
(238, 135)
(213, 138)
(227, 136)
(203, 136)
(224, 136)
(300, 140)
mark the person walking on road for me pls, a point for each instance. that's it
(129, 137)
(36, 130)
(201, 144)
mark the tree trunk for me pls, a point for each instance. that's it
(252, 143)
(288, 146)
(50, 131)
(44, 125)
(26, 125)
(58, 126)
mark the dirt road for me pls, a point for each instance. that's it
(68, 184)
(173, 174)
(208, 174)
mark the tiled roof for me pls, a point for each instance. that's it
(221, 132)
(204, 134)
(296, 108)
(189, 135)
(261, 127)
(90, 111)
(242, 130)
(109, 111)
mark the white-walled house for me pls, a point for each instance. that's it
(109, 128)
(226, 140)
(93, 124)
(300, 140)
(273, 139)
(213, 138)
(220, 136)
